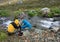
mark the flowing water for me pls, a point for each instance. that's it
(45, 22)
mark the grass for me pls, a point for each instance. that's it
(3, 35)
(55, 10)
(4, 13)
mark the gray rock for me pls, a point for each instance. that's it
(45, 10)
(26, 33)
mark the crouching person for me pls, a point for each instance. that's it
(13, 26)
(26, 24)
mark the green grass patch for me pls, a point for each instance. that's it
(4, 13)
(55, 10)
(3, 36)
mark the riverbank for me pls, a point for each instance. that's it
(36, 34)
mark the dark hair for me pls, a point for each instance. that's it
(52, 31)
(15, 18)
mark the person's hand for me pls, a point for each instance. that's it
(20, 33)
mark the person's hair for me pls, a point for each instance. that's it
(52, 31)
(15, 18)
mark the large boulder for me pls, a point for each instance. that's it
(45, 10)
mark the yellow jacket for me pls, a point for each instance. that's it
(11, 28)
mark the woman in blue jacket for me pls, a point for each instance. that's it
(25, 23)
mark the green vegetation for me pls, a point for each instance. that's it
(50, 15)
(55, 10)
(4, 13)
(16, 13)
(31, 12)
(3, 36)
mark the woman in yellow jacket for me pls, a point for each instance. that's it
(13, 26)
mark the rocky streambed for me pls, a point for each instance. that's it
(39, 33)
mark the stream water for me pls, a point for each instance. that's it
(43, 23)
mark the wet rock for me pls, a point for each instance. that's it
(34, 20)
(55, 29)
(57, 18)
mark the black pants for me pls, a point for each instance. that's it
(19, 33)
(10, 34)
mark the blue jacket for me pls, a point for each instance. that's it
(26, 23)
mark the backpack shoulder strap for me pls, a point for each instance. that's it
(15, 26)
